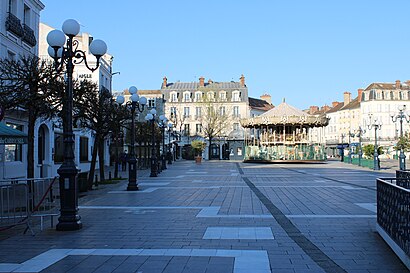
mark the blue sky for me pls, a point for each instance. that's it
(309, 52)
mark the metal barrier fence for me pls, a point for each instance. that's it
(393, 211)
(28, 202)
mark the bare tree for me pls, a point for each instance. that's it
(215, 119)
(30, 84)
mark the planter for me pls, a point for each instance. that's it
(198, 159)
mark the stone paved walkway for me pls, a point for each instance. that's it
(219, 216)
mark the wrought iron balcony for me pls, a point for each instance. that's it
(29, 36)
(13, 25)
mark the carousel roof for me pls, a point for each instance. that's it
(284, 109)
(285, 114)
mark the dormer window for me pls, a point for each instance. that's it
(174, 97)
(187, 96)
(198, 96)
(211, 96)
(222, 96)
(236, 96)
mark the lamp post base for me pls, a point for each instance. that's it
(132, 187)
(69, 223)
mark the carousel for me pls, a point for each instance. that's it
(285, 133)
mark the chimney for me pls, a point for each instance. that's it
(210, 81)
(335, 103)
(267, 98)
(313, 109)
(165, 82)
(359, 94)
(325, 108)
(201, 81)
(346, 98)
(398, 85)
(242, 80)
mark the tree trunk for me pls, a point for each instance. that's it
(101, 158)
(116, 158)
(93, 163)
(209, 149)
(30, 146)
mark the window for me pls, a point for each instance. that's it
(235, 96)
(236, 126)
(83, 149)
(187, 97)
(13, 7)
(236, 111)
(199, 128)
(211, 96)
(26, 15)
(151, 103)
(58, 148)
(198, 96)
(222, 96)
(222, 111)
(198, 112)
(173, 111)
(186, 112)
(186, 129)
(13, 152)
(174, 97)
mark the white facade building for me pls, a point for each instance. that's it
(19, 30)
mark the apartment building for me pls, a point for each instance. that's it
(186, 105)
(19, 32)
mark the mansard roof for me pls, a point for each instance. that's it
(387, 86)
(259, 104)
(207, 85)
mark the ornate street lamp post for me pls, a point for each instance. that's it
(342, 150)
(169, 154)
(400, 116)
(151, 118)
(163, 124)
(136, 103)
(65, 52)
(376, 125)
(359, 134)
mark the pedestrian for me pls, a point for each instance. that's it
(124, 161)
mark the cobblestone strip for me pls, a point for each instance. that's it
(317, 255)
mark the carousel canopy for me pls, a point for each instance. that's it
(285, 114)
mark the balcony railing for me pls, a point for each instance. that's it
(29, 36)
(13, 25)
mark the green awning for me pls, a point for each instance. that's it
(9, 135)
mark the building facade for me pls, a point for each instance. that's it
(19, 32)
(190, 105)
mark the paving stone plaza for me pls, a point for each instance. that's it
(219, 216)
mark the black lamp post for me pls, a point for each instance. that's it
(342, 155)
(359, 134)
(163, 124)
(66, 52)
(169, 143)
(151, 118)
(376, 125)
(400, 116)
(136, 103)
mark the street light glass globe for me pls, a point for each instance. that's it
(71, 27)
(149, 116)
(51, 52)
(170, 125)
(98, 48)
(56, 38)
(132, 90)
(162, 117)
(135, 98)
(153, 111)
(143, 101)
(120, 99)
